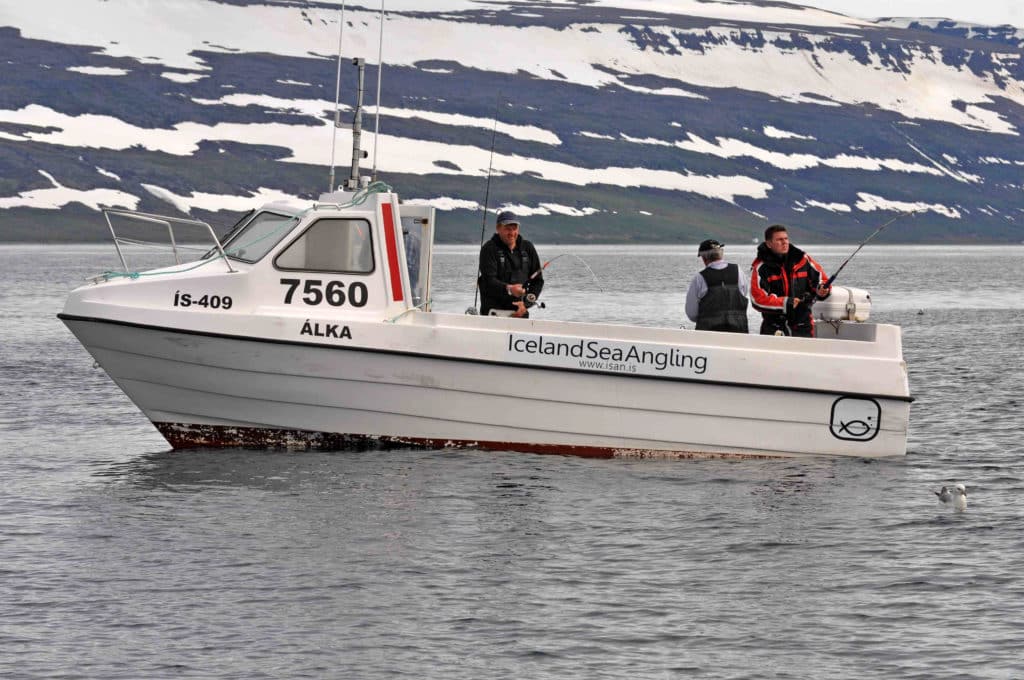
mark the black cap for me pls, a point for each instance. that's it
(707, 245)
(507, 217)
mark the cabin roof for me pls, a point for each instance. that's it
(287, 206)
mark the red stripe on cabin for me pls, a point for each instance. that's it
(392, 246)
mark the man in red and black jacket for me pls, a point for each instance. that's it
(784, 283)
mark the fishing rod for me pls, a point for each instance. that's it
(863, 243)
(487, 197)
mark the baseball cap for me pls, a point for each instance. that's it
(708, 245)
(507, 217)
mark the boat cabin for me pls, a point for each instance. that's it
(361, 251)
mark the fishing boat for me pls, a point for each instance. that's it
(310, 325)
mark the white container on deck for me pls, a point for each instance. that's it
(844, 304)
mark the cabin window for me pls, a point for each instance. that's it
(331, 245)
(258, 236)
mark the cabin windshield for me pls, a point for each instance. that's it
(332, 244)
(258, 236)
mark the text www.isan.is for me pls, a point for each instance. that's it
(607, 366)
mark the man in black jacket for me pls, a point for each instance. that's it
(511, 274)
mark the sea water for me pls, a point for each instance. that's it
(121, 559)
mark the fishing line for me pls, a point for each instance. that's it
(580, 259)
(921, 151)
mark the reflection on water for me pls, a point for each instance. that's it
(194, 470)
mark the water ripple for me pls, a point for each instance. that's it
(122, 559)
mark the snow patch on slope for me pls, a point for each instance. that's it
(176, 77)
(724, 147)
(776, 133)
(58, 196)
(870, 202)
(99, 70)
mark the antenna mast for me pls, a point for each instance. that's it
(380, 70)
(337, 96)
(357, 127)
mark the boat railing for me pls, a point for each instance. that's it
(173, 243)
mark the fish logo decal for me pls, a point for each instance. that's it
(855, 419)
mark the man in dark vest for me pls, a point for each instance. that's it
(718, 294)
(511, 273)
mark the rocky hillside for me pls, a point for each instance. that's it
(611, 120)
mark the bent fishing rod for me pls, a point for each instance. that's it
(810, 297)
(863, 243)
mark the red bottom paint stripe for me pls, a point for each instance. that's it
(183, 436)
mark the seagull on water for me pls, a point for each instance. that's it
(958, 496)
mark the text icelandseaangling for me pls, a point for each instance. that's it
(659, 359)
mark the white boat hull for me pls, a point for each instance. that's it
(204, 388)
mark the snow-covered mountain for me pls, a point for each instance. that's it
(632, 120)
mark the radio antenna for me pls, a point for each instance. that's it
(337, 96)
(357, 126)
(380, 70)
